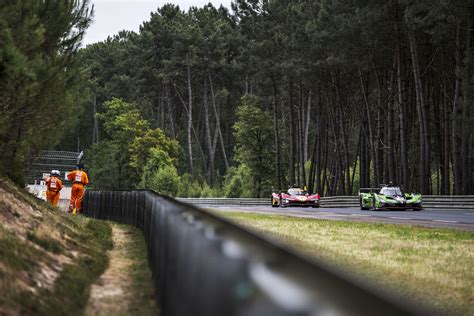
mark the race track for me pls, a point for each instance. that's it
(459, 219)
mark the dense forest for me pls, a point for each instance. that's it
(42, 85)
(331, 95)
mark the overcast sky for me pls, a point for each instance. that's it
(112, 16)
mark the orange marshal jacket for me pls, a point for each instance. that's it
(78, 177)
(54, 184)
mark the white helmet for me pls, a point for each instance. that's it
(55, 173)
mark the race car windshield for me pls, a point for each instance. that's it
(391, 191)
(296, 192)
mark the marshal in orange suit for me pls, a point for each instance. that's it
(53, 185)
(79, 180)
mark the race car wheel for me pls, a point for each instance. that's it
(274, 203)
(372, 205)
(362, 205)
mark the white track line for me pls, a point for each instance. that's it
(443, 221)
(395, 217)
(360, 215)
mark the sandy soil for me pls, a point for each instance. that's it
(19, 217)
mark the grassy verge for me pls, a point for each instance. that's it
(143, 300)
(70, 291)
(48, 259)
(433, 266)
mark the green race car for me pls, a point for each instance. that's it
(389, 198)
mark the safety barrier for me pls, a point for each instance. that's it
(334, 201)
(205, 265)
(465, 202)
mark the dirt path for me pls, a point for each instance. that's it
(117, 291)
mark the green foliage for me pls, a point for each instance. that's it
(42, 88)
(133, 155)
(103, 165)
(239, 182)
(153, 144)
(158, 159)
(209, 192)
(193, 187)
(165, 180)
(296, 60)
(254, 143)
(189, 186)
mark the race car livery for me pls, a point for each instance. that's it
(388, 197)
(295, 197)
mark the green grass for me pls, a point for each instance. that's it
(48, 259)
(431, 266)
(22, 259)
(16, 254)
(71, 291)
(143, 302)
(48, 244)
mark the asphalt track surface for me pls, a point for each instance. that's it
(458, 219)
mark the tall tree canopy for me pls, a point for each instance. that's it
(356, 93)
(41, 82)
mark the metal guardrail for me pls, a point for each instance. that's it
(205, 265)
(465, 202)
(46, 161)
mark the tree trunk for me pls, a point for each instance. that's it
(447, 148)
(369, 126)
(456, 118)
(402, 124)
(291, 135)
(190, 123)
(307, 124)
(276, 133)
(301, 137)
(218, 123)
(209, 144)
(467, 111)
(420, 102)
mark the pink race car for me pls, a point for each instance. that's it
(295, 197)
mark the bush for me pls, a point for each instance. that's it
(208, 192)
(189, 186)
(164, 181)
(239, 182)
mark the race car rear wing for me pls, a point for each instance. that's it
(369, 190)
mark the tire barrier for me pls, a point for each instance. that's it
(446, 202)
(205, 265)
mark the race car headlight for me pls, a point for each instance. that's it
(382, 200)
(286, 200)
